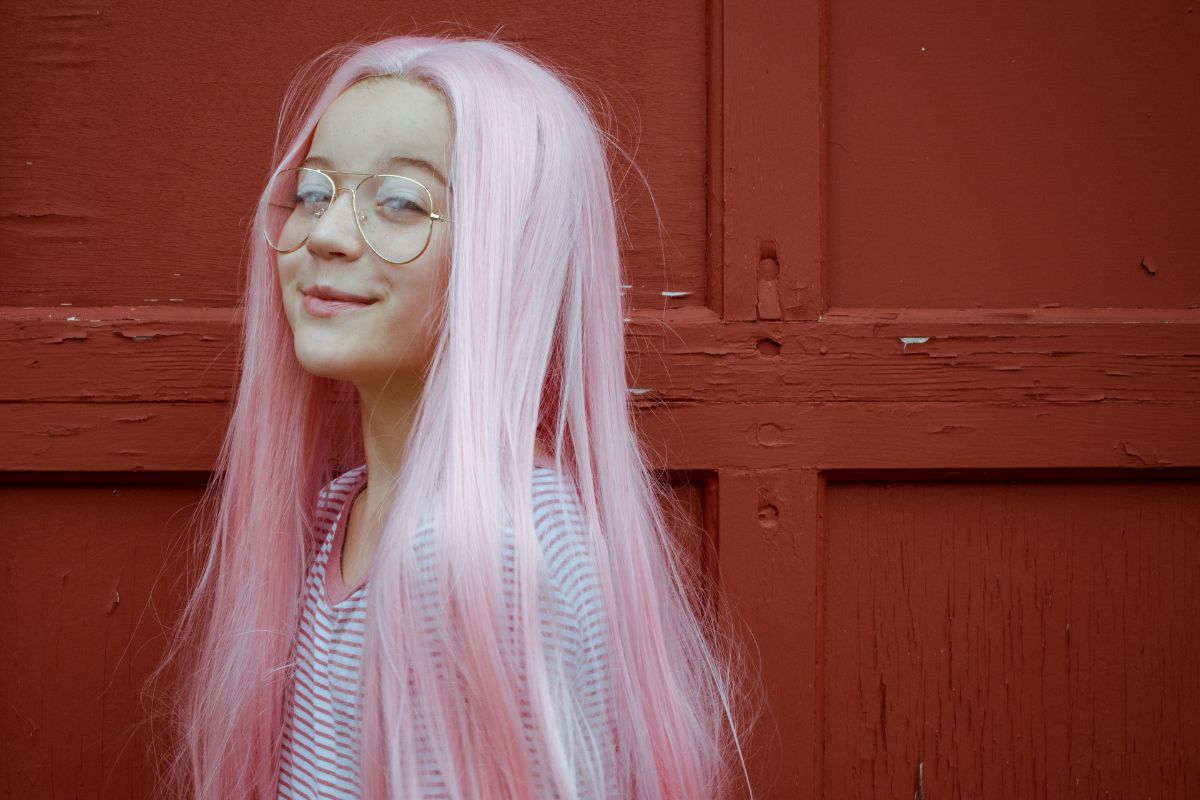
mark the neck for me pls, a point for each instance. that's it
(387, 420)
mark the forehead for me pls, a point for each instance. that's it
(377, 120)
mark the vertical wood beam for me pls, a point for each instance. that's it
(771, 158)
(771, 568)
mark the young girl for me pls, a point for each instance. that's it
(487, 604)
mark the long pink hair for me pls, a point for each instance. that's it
(531, 345)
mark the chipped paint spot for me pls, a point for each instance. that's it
(769, 347)
(114, 598)
(148, 335)
(60, 430)
(907, 340)
(1136, 453)
(73, 335)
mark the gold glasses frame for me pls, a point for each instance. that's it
(358, 217)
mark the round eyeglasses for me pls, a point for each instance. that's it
(396, 216)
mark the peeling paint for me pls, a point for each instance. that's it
(61, 430)
(147, 335)
(907, 340)
(768, 346)
(114, 598)
(1149, 460)
(71, 335)
(952, 428)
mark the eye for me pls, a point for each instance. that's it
(311, 197)
(397, 204)
(400, 200)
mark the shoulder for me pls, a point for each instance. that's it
(560, 525)
(572, 564)
(556, 507)
(335, 493)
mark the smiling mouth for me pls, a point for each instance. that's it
(324, 307)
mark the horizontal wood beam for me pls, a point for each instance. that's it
(45, 438)
(924, 355)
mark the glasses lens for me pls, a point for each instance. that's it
(395, 216)
(295, 197)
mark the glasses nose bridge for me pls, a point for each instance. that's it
(324, 216)
(333, 197)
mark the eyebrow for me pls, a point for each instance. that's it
(389, 163)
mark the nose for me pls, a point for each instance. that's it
(335, 233)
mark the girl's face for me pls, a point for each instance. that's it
(387, 126)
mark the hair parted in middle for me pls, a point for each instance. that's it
(530, 345)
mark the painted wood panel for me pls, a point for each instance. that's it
(92, 577)
(139, 137)
(1003, 156)
(1019, 639)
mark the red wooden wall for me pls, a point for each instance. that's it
(918, 340)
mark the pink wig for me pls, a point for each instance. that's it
(531, 346)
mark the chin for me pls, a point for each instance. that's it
(323, 369)
(321, 361)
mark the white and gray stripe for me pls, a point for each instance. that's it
(321, 734)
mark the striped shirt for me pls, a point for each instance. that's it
(322, 727)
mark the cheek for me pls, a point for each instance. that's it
(286, 274)
(425, 304)
(439, 279)
(285, 269)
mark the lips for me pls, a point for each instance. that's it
(329, 293)
(325, 302)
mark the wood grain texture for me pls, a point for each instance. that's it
(1031, 640)
(874, 437)
(985, 156)
(92, 574)
(138, 140)
(175, 354)
(771, 577)
(771, 160)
